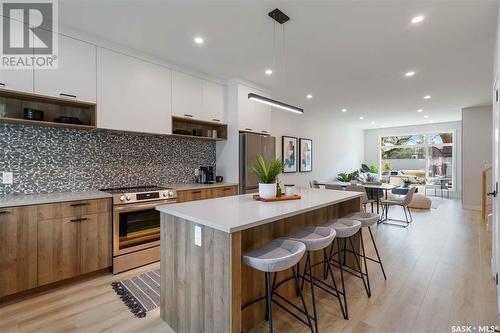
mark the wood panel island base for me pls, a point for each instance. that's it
(203, 280)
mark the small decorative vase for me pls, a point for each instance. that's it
(267, 191)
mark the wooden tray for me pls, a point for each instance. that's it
(282, 198)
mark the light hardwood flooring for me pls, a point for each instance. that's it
(438, 276)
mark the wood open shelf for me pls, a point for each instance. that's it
(12, 104)
(189, 125)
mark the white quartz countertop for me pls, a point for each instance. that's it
(240, 212)
(14, 200)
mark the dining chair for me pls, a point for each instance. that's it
(364, 199)
(314, 184)
(404, 203)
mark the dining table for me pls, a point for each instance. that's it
(373, 189)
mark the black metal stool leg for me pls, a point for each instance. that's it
(329, 268)
(297, 285)
(364, 259)
(269, 304)
(342, 279)
(311, 282)
(376, 251)
(359, 267)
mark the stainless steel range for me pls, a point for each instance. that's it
(136, 224)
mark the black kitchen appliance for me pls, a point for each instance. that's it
(210, 175)
(33, 114)
(202, 175)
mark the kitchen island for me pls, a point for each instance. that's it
(203, 280)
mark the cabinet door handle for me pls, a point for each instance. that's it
(188, 115)
(79, 220)
(79, 204)
(227, 189)
(195, 192)
(248, 129)
(215, 119)
(4, 212)
(67, 95)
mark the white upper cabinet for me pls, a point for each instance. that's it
(75, 76)
(132, 95)
(253, 116)
(17, 79)
(213, 102)
(187, 96)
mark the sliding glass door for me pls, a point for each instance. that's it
(422, 158)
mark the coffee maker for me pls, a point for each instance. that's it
(206, 175)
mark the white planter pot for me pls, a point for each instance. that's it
(267, 190)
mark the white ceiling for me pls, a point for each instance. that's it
(348, 54)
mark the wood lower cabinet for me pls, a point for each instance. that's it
(18, 249)
(206, 193)
(72, 246)
(48, 243)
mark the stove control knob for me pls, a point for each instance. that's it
(128, 197)
(122, 198)
(165, 194)
(170, 193)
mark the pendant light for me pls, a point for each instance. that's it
(281, 18)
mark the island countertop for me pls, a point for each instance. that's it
(240, 212)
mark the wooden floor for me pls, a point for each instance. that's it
(438, 276)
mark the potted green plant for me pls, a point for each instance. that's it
(267, 175)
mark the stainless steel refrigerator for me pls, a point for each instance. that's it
(252, 145)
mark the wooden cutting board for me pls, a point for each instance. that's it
(281, 198)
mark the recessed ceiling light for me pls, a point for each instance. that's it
(417, 19)
(420, 110)
(344, 110)
(426, 116)
(427, 97)
(361, 118)
(199, 40)
(373, 123)
(309, 96)
(410, 73)
(431, 121)
(269, 71)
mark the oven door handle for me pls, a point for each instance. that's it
(141, 206)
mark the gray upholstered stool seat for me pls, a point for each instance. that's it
(344, 227)
(366, 219)
(279, 255)
(314, 238)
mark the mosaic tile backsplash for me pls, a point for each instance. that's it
(45, 159)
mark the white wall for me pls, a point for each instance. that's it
(372, 144)
(336, 147)
(476, 152)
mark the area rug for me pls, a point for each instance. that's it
(140, 293)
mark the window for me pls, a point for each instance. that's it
(425, 158)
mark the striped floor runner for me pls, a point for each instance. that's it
(140, 293)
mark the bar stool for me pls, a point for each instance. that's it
(345, 229)
(277, 256)
(316, 239)
(367, 220)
